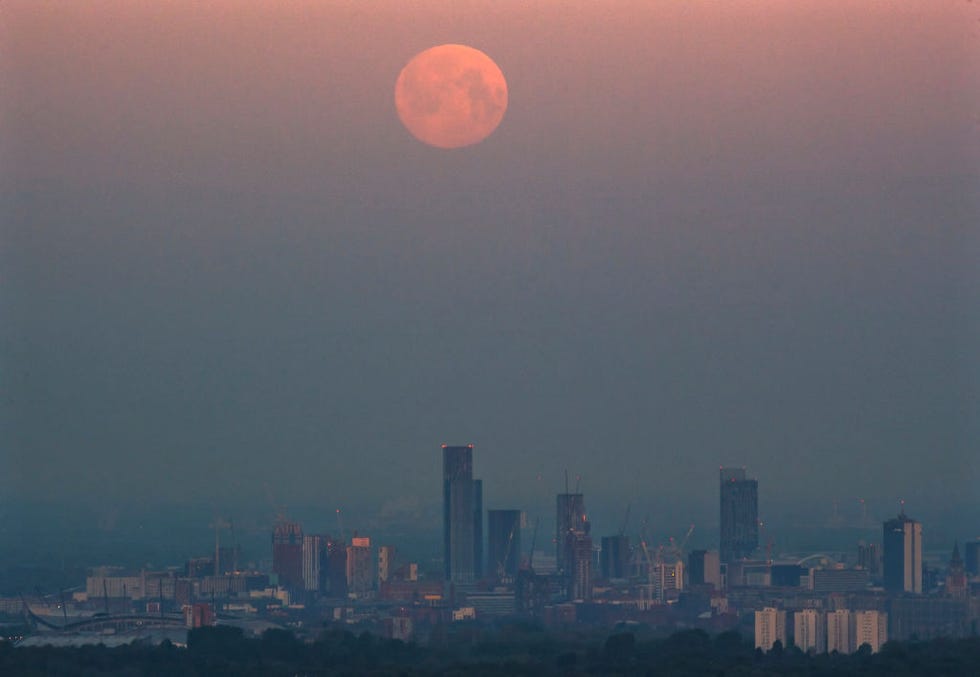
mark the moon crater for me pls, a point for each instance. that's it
(451, 96)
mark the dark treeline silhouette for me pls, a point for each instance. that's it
(512, 649)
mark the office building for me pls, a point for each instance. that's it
(739, 515)
(871, 628)
(704, 568)
(580, 566)
(504, 542)
(810, 631)
(770, 627)
(359, 570)
(570, 517)
(614, 557)
(336, 576)
(668, 580)
(314, 552)
(902, 554)
(462, 513)
(386, 560)
(869, 557)
(838, 579)
(287, 554)
(971, 557)
(840, 637)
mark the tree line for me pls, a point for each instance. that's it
(510, 649)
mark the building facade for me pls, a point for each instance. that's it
(704, 568)
(770, 627)
(614, 557)
(313, 557)
(359, 570)
(871, 628)
(287, 554)
(462, 512)
(739, 515)
(902, 554)
(810, 630)
(580, 578)
(840, 637)
(386, 560)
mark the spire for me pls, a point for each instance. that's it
(955, 559)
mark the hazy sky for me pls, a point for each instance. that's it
(705, 233)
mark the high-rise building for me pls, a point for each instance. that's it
(462, 515)
(739, 515)
(359, 570)
(614, 557)
(971, 557)
(668, 579)
(386, 559)
(902, 554)
(336, 577)
(704, 568)
(504, 542)
(810, 631)
(840, 637)
(770, 627)
(313, 559)
(287, 554)
(871, 628)
(580, 578)
(869, 557)
(570, 517)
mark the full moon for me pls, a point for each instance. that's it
(451, 96)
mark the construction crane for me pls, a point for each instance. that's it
(218, 524)
(340, 525)
(626, 520)
(64, 607)
(502, 563)
(648, 588)
(534, 540)
(235, 546)
(677, 549)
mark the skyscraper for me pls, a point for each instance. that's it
(580, 566)
(901, 542)
(287, 554)
(615, 556)
(971, 557)
(314, 556)
(704, 568)
(359, 568)
(739, 515)
(504, 542)
(386, 559)
(462, 515)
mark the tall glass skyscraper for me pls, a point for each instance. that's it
(901, 541)
(462, 515)
(739, 515)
